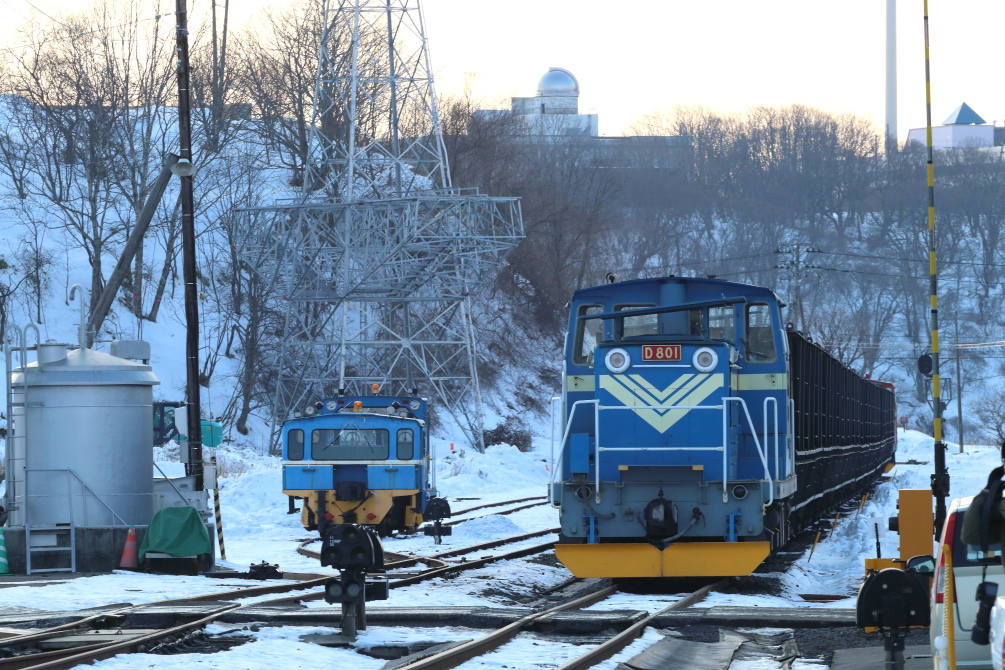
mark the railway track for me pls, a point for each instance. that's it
(398, 561)
(108, 623)
(444, 568)
(455, 656)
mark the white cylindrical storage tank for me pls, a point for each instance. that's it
(86, 426)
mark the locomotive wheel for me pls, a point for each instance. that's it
(395, 517)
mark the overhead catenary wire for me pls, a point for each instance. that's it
(81, 33)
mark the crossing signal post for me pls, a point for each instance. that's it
(437, 509)
(355, 551)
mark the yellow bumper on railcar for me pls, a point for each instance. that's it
(685, 559)
(371, 512)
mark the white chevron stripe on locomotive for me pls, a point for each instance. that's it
(636, 391)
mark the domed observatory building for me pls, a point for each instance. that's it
(555, 108)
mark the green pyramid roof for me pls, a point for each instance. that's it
(963, 115)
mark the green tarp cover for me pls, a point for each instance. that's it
(176, 531)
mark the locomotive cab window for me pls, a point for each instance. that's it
(349, 444)
(759, 343)
(722, 323)
(589, 333)
(636, 326)
(406, 445)
(295, 445)
(689, 323)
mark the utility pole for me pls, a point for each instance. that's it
(959, 387)
(940, 478)
(797, 267)
(185, 171)
(891, 78)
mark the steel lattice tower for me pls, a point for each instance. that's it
(378, 260)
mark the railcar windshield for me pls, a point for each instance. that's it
(295, 445)
(637, 326)
(589, 333)
(760, 339)
(722, 323)
(349, 444)
(717, 323)
(406, 444)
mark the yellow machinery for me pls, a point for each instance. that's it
(914, 522)
(684, 559)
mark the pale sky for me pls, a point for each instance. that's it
(632, 58)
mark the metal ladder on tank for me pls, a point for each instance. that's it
(50, 530)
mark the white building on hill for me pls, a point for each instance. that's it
(555, 108)
(552, 118)
(963, 128)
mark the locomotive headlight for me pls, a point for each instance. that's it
(739, 491)
(415, 404)
(705, 359)
(332, 405)
(617, 360)
(310, 411)
(390, 409)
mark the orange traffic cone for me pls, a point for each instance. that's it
(129, 551)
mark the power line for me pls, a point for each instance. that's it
(910, 260)
(105, 29)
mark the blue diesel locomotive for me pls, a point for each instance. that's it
(359, 460)
(700, 433)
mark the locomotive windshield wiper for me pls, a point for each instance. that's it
(752, 351)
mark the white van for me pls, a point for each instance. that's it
(970, 568)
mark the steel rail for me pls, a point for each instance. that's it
(426, 574)
(462, 653)
(129, 646)
(97, 621)
(502, 513)
(497, 504)
(438, 558)
(617, 643)
(55, 631)
(402, 560)
(29, 660)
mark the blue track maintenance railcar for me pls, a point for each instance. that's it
(359, 459)
(700, 432)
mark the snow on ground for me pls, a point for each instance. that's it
(257, 527)
(282, 647)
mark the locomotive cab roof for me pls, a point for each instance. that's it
(396, 407)
(696, 290)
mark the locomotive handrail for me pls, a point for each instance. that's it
(565, 436)
(551, 458)
(790, 439)
(725, 435)
(774, 402)
(760, 451)
(665, 309)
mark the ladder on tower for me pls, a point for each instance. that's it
(50, 538)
